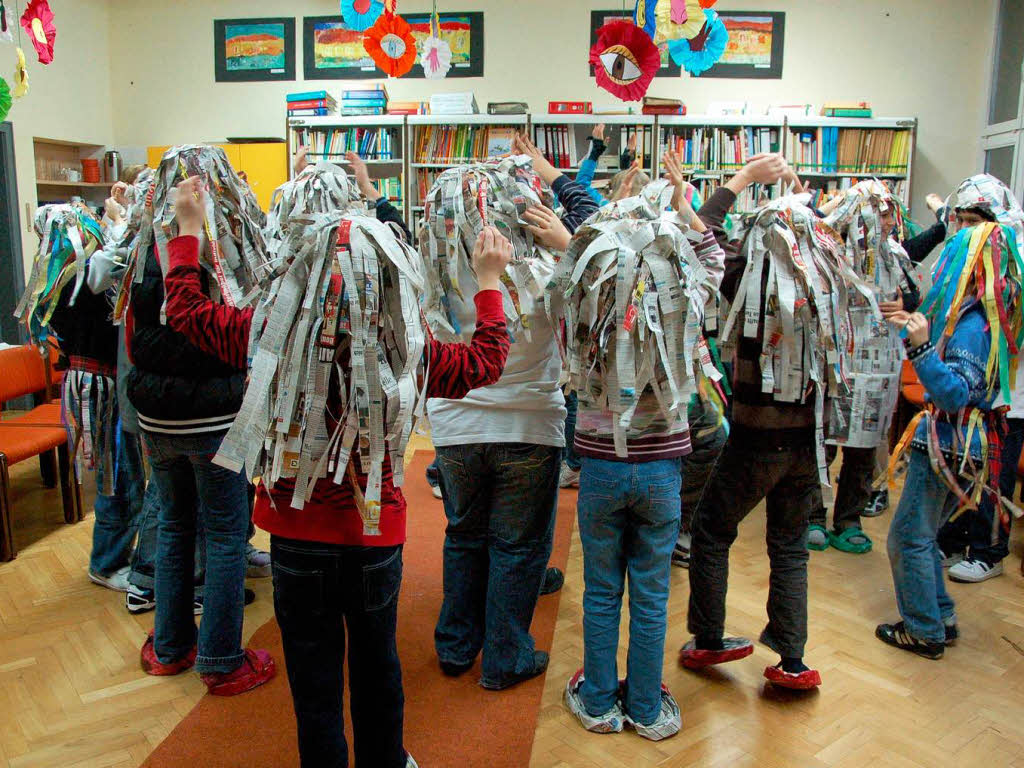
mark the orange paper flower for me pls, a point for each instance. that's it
(707, 3)
(38, 22)
(390, 44)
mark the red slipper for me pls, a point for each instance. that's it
(256, 669)
(151, 665)
(733, 648)
(802, 681)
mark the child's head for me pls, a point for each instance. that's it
(627, 183)
(130, 173)
(980, 199)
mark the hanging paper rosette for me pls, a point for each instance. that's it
(37, 20)
(669, 19)
(707, 3)
(390, 44)
(360, 15)
(436, 54)
(20, 76)
(624, 60)
(5, 99)
(701, 53)
(6, 24)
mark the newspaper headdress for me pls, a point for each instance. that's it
(344, 310)
(989, 194)
(631, 292)
(68, 237)
(461, 202)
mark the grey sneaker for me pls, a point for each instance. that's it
(668, 723)
(568, 477)
(610, 722)
(117, 581)
(257, 563)
(949, 559)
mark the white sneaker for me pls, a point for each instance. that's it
(568, 477)
(610, 722)
(117, 581)
(436, 490)
(972, 571)
(951, 559)
(257, 563)
(668, 723)
(409, 762)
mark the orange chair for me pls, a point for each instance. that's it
(39, 432)
(911, 400)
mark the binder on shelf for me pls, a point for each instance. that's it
(570, 107)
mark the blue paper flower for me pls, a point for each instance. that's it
(360, 15)
(702, 52)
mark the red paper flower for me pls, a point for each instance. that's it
(707, 3)
(391, 45)
(625, 60)
(38, 22)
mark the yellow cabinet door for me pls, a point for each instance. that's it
(155, 154)
(266, 166)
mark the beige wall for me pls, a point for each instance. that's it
(69, 99)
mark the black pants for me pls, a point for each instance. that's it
(853, 491)
(752, 469)
(320, 592)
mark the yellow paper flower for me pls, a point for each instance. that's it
(667, 24)
(20, 76)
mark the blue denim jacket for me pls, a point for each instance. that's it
(958, 380)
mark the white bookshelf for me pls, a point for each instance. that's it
(569, 135)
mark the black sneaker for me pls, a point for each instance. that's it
(877, 504)
(952, 635)
(139, 600)
(553, 581)
(540, 665)
(681, 550)
(897, 636)
(197, 601)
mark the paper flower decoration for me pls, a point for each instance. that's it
(20, 76)
(624, 60)
(5, 99)
(701, 53)
(37, 20)
(669, 19)
(707, 3)
(390, 44)
(6, 24)
(360, 15)
(436, 58)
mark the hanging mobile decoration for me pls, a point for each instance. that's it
(436, 57)
(390, 42)
(707, 3)
(624, 60)
(360, 15)
(6, 24)
(669, 19)
(702, 52)
(20, 76)
(38, 22)
(5, 99)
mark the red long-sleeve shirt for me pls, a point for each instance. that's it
(331, 515)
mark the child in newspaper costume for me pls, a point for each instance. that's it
(870, 223)
(788, 323)
(337, 344)
(980, 536)
(633, 285)
(964, 346)
(66, 297)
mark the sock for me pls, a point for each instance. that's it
(794, 665)
(709, 643)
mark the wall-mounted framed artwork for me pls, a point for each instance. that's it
(755, 48)
(599, 18)
(333, 51)
(253, 50)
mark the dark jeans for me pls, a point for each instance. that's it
(853, 491)
(322, 591)
(500, 502)
(569, 456)
(979, 530)
(697, 468)
(751, 469)
(184, 472)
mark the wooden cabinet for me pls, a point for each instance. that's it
(265, 165)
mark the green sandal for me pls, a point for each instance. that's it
(841, 541)
(813, 527)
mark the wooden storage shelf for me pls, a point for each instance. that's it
(82, 184)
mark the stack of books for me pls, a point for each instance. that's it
(656, 106)
(455, 103)
(311, 104)
(846, 109)
(367, 101)
(407, 107)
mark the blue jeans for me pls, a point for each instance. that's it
(183, 470)
(569, 455)
(143, 572)
(500, 502)
(117, 515)
(323, 592)
(629, 521)
(914, 553)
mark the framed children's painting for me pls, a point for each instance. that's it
(599, 18)
(251, 50)
(333, 51)
(755, 48)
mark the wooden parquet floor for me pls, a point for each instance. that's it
(72, 694)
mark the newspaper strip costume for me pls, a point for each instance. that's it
(795, 294)
(860, 418)
(461, 202)
(631, 292)
(345, 309)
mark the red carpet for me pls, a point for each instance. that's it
(447, 722)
